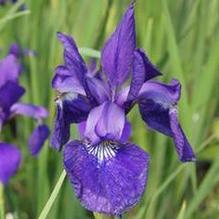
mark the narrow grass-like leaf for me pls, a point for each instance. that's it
(209, 182)
(182, 211)
(89, 52)
(53, 196)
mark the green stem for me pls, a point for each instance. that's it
(2, 209)
(102, 216)
(53, 196)
(97, 216)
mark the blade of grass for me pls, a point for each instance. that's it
(53, 196)
(7, 18)
(171, 177)
(182, 211)
(163, 187)
(176, 65)
(209, 182)
(89, 52)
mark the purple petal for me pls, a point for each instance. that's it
(15, 50)
(2, 119)
(38, 138)
(81, 129)
(67, 81)
(155, 100)
(111, 185)
(167, 94)
(156, 116)
(98, 90)
(9, 69)
(127, 130)
(92, 121)
(111, 123)
(122, 96)
(76, 110)
(10, 159)
(73, 59)
(68, 111)
(143, 70)
(157, 104)
(118, 53)
(61, 130)
(138, 77)
(105, 121)
(150, 69)
(183, 147)
(10, 93)
(30, 110)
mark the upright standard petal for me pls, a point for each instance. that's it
(150, 70)
(143, 70)
(157, 104)
(30, 110)
(10, 159)
(9, 69)
(73, 59)
(10, 93)
(118, 53)
(97, 90)
(109, 184)
(38, 138)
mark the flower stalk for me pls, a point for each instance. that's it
(98, 216)
(2, 209)
(102, 216)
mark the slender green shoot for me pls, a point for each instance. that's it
(53, 196)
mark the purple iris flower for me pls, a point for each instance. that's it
(107, 171)
(19, 52)
(10, 93)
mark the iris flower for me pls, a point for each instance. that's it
(107, 171)
(10, 93)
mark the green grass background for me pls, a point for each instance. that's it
(182, 38)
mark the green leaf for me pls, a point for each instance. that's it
(53, 196)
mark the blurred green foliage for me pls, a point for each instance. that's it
(182, 38)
